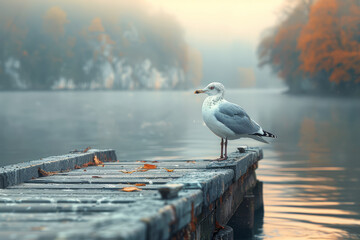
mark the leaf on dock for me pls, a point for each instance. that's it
(77, 167)
(97, 161)
(144, 168)
(86, 149)
(149, 166)
(96, 177)
(155, 161)
(191, 161)
(130, 189)
(141, 161)
(140, 184)
(44, 173)
(169, 170)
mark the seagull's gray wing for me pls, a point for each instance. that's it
(235, 118)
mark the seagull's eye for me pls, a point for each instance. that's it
(212, 87)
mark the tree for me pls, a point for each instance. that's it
(316, 48)
(329, 45)
(278, 48)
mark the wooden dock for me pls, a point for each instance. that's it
(73, 197)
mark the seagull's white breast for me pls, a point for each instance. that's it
(209, 108)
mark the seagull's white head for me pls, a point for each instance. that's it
(214, 88)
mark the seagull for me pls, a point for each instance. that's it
(228, 120)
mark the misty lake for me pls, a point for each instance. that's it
(311, 173)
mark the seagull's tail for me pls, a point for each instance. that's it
(259, 136)
(267, 134)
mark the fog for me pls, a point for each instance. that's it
(92, 45)
(66, 45)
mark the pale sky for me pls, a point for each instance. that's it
(222, 20)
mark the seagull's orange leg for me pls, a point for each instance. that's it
(222, 157)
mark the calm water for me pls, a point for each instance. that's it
(311, 172)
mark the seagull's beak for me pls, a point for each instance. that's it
(199, 91)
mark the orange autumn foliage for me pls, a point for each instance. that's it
(316, 47)
(329, 43)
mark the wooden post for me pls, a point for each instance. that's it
(258, 193)
(242, 221)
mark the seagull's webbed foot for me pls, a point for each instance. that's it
(221, 158)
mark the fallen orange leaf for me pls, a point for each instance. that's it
(155, 161)
(140, 184)
(43, 173)
(96, 177)
(77, 167)
(86, 149)
(141, 161)
(97, 161)
(142, 170)
(169, 170)
(130, 189)
(149, 166)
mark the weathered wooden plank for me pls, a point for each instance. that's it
(52, 193)
(238, 162)
(24, 218)
(99, 180)
(58, 207)
(183, 164)
(82, 186)
(78, 199)
(121, 175)
(19, 173)
(159, 161)
(212, 182)
(118, 172)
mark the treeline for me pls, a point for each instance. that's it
(316, 47)
(93, 45)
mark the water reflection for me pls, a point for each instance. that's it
(310, 173)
